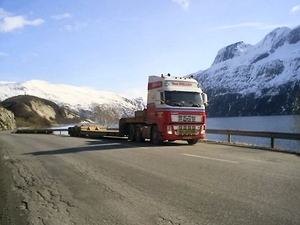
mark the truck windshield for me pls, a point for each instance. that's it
(181, 98)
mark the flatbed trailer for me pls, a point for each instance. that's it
(175, 111)
(101, 131)
(91, 131)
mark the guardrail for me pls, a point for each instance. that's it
(263, 134)
(229, 133)
(40, 131)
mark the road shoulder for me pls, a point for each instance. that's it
(10, 200)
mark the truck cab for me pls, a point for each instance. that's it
(175, 110)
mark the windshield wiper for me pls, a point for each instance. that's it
(196, 105)
(176, 104)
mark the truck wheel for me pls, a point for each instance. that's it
(76, 132)
(138, 134)
(71, 131)
(155, 136)
(131, 135)
(192, 142)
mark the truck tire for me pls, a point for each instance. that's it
(76, 131)
(71, 131)
(138, 134)
(131, 135)
(155, 136)
(192, 142)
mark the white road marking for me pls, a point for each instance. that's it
(256, 160)
(204, 157)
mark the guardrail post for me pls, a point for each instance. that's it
(272, 142)
(229, 138)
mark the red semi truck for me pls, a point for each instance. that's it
(175, 111)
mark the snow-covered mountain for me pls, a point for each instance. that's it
(261, 79)
(244, 80)
(80, 100)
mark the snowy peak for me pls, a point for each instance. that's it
(265, 75)
(274, 39)
(231, 51)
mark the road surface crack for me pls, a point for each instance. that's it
(41, 195)
(165, 221)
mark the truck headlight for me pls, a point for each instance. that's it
(169, 129)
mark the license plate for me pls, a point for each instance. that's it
(187, 137)
(186, 132)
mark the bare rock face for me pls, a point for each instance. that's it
(34, 112)
(7, 119)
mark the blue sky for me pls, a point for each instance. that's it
(114, 45)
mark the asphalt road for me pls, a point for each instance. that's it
(65, 180)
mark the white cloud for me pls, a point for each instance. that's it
(61, 16)
(9, 23)
(241, 25)
(3, 13)
(2, 54)
(76, 26)
(183, 3)
(261, 26)
(295, 9)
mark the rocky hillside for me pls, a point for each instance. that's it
(31, 111)
(82, 101)
(7, 119)
(253, 80)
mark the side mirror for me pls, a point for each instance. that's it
(204, 97)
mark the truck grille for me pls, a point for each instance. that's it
(187, 130)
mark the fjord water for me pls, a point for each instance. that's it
(286, 124)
